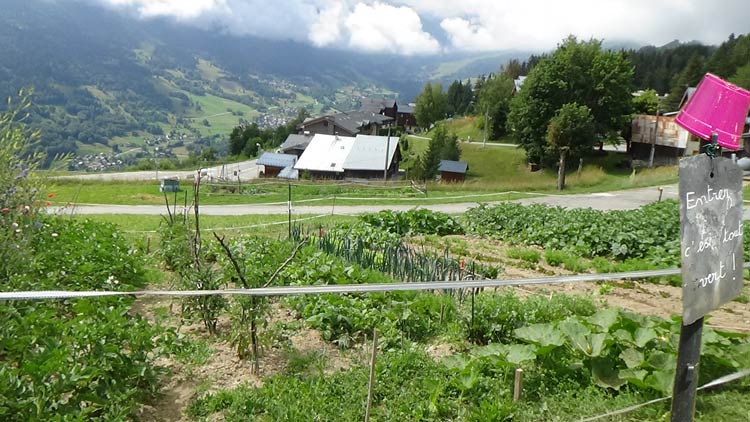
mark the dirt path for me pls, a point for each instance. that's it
(222, 369)
(640, 296)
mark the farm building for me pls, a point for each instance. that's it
(324, 156)
(360, 157)
(368, 157)
(350, 123)
(295, 144)
(453, 171)
(274, 163)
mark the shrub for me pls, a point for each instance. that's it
(528, 255)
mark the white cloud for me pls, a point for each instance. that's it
(326, 30)
(473, 35)
(179, 9)
(396, 26)
(540, 24)
(381, 27)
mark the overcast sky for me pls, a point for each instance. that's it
(434, 26)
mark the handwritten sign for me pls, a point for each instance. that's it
(711, 234)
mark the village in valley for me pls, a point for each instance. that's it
(386, 211)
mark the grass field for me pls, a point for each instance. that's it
(145, 226)
(214, 109)
(466, 128)
(492, 169)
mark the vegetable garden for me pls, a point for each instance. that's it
(441, 355)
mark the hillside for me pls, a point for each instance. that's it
(109, 83)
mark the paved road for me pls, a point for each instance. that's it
(247, 170)
(617, 200)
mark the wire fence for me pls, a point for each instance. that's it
(388, 287)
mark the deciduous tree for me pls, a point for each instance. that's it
(580, 72)
(570, 131)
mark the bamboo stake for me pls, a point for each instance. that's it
(371, 383)
(518, 385)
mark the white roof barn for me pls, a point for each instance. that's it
(343, 156)
(368, 152)
(325, 153)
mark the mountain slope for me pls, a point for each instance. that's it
(109, 82)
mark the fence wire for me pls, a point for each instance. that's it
(346, 288)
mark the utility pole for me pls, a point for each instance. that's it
(486, 123)
(387, 147)
(653, 139)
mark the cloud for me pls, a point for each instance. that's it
(381, 27)
(326, 30)
(179, 9)
(398, 26)
(479, 25)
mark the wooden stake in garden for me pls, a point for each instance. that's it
(371, 383)
(711, 238)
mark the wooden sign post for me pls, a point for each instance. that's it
(711, 239)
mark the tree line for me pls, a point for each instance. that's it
(581, 94)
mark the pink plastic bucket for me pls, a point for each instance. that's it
(716, 106)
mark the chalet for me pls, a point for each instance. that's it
(274, 163)
(350, 123)
(405, 117)
(368, 157)
(324, 156)
(453, 171)
(379, 106)
(295, 144)
(402, 113)
(518, 83)
(360, 157)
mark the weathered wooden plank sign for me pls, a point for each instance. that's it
(711, 234)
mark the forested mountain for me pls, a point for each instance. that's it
(106, 82)
(675, 66)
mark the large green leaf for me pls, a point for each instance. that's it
(576, 333)
(634, 376)
(605, 318)
(492, 349)
(623, 337)
(596, 344)
(546, 336)
(458, 362)
(605, 373)
(632, 358)
(520, 353)
(643, 336)
(661, 381)
(663, 361)
(741, 353)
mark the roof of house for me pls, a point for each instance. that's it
(288, 173)
(406, 108)
(351, 121)
(450, 166)
(518, 82)
(368, 152)
(295, 141)
(276, 160)
(325, 153)
(375, 104)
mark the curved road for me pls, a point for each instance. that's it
(247, 170)
(617, 200)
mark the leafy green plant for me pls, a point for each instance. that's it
(497, 315)
(413, 222)
(650, 232)
(82, 359)
(524, 254)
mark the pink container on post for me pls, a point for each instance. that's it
(716, 106)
